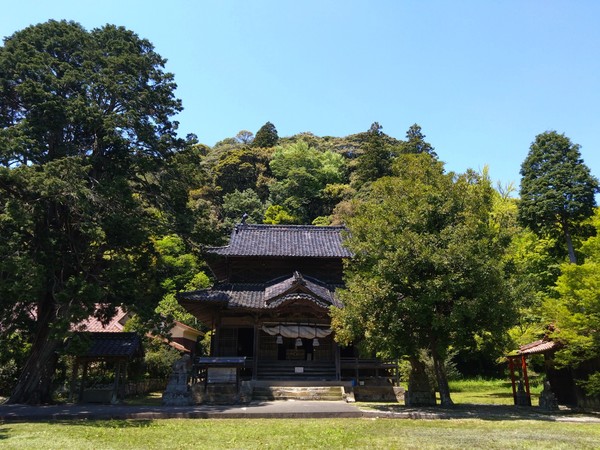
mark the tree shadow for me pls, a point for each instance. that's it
(103, 423)
(481, 412)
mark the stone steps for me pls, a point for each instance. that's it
(330, 393)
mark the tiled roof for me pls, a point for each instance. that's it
(103, 345)
(94, 324)
(265, 295)
(537, 347)
(285, 240)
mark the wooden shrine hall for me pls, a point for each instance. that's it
(270, 303)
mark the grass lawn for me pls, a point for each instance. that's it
(490, 392)
(307, 433)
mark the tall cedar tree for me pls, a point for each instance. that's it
(266, 137)
(557, 189)
(376, 158)
(84, 125)
(415, 142)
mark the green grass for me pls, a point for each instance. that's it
(489, 392)
(307, 433)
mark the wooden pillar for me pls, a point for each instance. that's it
(83, 380)
(511, 369)
(73, 380)
(338, 369)
(255, 351)
(214, 341)
(115, 394)
(525, 377)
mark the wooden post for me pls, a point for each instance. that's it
(255, 351)
(525, 377)
(338, 369)
(511, 369)
(73, 380)
(83, 380)
(115, 394)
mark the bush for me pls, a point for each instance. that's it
(9, 373)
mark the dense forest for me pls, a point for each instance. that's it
(101, 202)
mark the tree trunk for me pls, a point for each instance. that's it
(442, 379)
(570, 249)
(34, 385)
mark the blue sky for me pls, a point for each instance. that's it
(482, 78)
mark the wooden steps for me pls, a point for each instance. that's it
(296, 370)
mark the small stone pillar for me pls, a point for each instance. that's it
(522, 398)
(177, 392)
(420, 391)
(548, 401)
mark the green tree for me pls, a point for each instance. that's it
(266, 136)
(302, 175)
(415, 142)
(240, 169)
(557, 189)
(84, 125)
(276, 214)
(427, 271)
(236, 204)
(375, 160)
(574, 310)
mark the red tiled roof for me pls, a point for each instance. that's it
(94, 324)
(537, 347)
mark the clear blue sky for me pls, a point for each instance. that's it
(482, 78)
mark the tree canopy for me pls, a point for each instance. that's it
(427, 271)
(84, 123)
(557, 189)
(266, 136)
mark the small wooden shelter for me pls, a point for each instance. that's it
(115, 350)
(518, 363)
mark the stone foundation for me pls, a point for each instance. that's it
(379, 393)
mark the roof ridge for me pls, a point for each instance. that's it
(281, 227)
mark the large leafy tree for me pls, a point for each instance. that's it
(84, 126)
(557, 189)
(427, 270)
(575, 308)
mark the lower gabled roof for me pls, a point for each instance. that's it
(257, 296)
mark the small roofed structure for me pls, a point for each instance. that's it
(113, 351)
(183, 338)
(518, 363)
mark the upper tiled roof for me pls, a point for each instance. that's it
(285, 240)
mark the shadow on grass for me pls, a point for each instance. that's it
(475, 411)
(103, 423)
